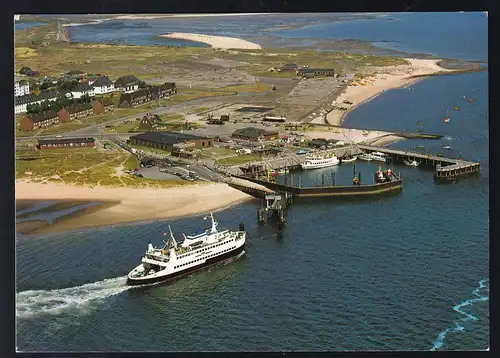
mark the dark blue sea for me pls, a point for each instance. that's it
(407, 271)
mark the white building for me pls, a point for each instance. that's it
(81, 90)
(127, 84)
(103, 85)
(22, 102)
(21, 88)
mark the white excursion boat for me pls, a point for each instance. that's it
(196, 252)
(315, 162)
(378, 156)
(412, 163)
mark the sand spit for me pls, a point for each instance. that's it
(215, 41)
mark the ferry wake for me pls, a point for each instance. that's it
(196, 252)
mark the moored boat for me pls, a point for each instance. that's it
(315, 162)
(348, 159)
(412, 163)
(377, 156)
(196, 252)
(446, 119)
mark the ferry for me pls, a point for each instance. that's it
(196, 252)
(378, 156)
(314, 162)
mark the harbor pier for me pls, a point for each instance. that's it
(446, 168)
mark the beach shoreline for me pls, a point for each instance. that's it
(126, 205)
(222, 42)
(380, 80)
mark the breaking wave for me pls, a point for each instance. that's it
(36, 302)
(438, 343)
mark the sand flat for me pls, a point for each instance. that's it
(134, 204)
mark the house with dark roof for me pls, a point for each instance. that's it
(255, 134)
(134, 98)
(66, 143)
(82, 89)
(312, 72)
(103, 106)
(163, 90)
(150, 122)
(38, 121)
(76, 111)
(22, 102)
(102, 85)
(167, 140)
(127, 84)
(289, 67)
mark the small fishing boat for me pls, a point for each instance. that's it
(447, 147)
(457, 108)
(419, 147)
(446, 119)
(470, 100)
(277, 171)
(412, 163)
(348, 159)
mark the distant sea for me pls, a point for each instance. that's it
(25, 25)
(400, 272)
(397, 31)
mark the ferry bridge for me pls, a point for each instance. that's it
(446, 168)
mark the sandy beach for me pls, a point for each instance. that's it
(356, 136)
(215, 41)
(132, 204)
(382, 79)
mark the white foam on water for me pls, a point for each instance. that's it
(438, 343)
(234, 258)
(36, 302)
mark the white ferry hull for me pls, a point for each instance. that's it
(169, 276)
(323, 165)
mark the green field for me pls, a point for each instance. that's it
(239, 159)
(87, 167)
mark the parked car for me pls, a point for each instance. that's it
(301, 152)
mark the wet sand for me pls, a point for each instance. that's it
(124, 205)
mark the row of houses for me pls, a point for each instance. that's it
(148, 94)
(22, 102)
(48, 118)
(44, 144)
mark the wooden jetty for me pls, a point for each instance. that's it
(446, 168)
